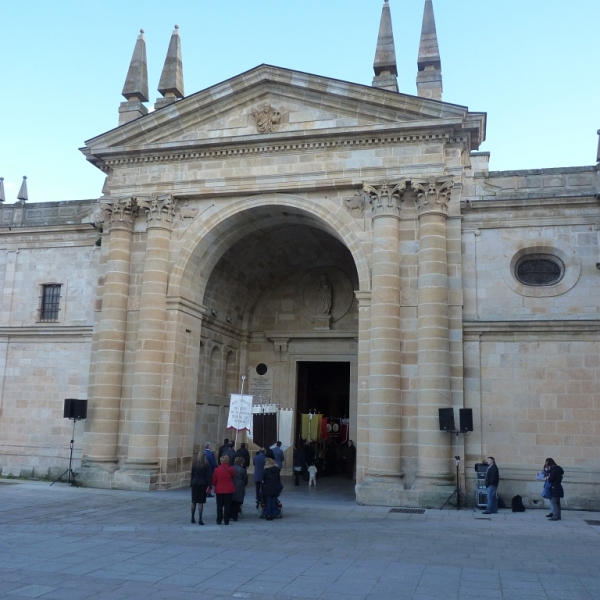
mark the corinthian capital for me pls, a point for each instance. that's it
(120, 212)
(433, 194)
(385, 199)
(160, 211)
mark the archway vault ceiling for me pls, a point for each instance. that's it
(272, 247)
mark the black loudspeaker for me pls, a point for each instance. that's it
(466, 419)
(75, 409)
(447, 419)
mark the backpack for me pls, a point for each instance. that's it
(517, 504)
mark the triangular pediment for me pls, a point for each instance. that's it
(273, 103)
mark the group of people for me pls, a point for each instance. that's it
(552, 473)
(227, 474)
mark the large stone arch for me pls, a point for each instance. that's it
(219, 230)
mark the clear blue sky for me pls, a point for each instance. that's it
(531, 65)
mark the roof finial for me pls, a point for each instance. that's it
(171, 79)
(2, 195)
(22, 195)
(429, 76)
(385, 55)
(136, 84)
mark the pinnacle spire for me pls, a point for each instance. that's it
(171, 79)
(429, 63)
(136, 84)
(22, 195)
(2, 195)
(384, 64)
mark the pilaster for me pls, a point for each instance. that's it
(385, 406)
(140, 469)
(100, 441)
(433, 196)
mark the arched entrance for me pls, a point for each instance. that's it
(257, 274)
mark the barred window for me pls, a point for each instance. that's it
(50, 302)
(539, 270)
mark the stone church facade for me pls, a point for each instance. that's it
(279, 218)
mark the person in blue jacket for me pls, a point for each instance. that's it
(259, 468)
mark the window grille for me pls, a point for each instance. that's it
(50, 303)
(539, 270)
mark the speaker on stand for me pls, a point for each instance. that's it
(446, 417)
(75, 410)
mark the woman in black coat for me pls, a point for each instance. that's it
(271, 487)
(200, 480)
(555, 475)
(240, 481)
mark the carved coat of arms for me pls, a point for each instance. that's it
(267, 118)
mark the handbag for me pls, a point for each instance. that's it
(546, 491)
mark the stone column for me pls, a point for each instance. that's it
(384, 375)
(432, 200)
(101, 437)
(142, 455)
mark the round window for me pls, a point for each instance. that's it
(539, 269)
(261, 369)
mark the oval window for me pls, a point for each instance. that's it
(539, 269)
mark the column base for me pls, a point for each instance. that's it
(389, 491)
(138, 479)
(97, 473)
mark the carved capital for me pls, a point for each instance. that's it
(120, 213)
(433, 194)
(160, 211)
(386, 199)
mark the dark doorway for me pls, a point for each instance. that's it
(324, 388)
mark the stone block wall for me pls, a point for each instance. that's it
(41, 364)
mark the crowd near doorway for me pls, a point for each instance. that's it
(323, 410)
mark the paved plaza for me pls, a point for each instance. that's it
(65, 543)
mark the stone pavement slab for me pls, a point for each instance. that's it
(76, 543)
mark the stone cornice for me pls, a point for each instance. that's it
(44, 330)
(530, 329)
(446, 131)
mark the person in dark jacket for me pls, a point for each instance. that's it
(298, 464)
(259, 467)
(225, 445)
(271, 487)
(350, 460)
(240, 481)
(224, 488)
(492, 479)
(212, 463)
(200, 480)
(555, 476)
(278, 455)
(231, 453)
(243, 453)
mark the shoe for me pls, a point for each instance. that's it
(553, 519)
(218, 522)
(486, 512)
(234, 519)
(549, 516)
(269, 518)
(193, 520)
(201, 523)
(226, 522)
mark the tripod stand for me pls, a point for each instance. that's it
(459, 498)
(71, 475)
